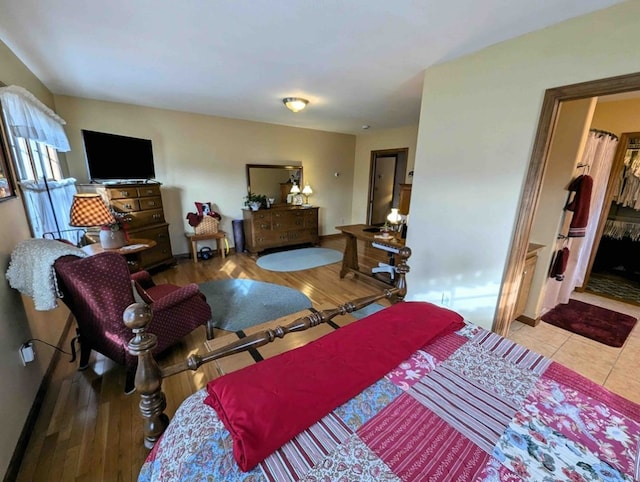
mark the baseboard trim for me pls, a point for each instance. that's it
(332, 236)
(25, 435)
(528, 321)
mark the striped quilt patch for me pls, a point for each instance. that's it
(475, 411)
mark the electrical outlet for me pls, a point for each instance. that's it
(27, 353)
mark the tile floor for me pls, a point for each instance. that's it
(618, 369)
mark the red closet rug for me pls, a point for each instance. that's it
(599, 324)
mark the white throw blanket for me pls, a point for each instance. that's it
(31, 270)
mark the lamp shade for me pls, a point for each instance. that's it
(394, 216)
(307, 190)
(295, 189)
(89, 210)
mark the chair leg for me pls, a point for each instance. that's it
(210, 328)
(85, 353)
(129, 384)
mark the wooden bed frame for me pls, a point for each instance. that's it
(149, 375)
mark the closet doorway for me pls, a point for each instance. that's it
(533, 182)
(388, 170)
(614, 265)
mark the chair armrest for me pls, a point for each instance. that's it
(143, 279)
(176, 297)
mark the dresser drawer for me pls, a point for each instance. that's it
(311, 218)
(303, 236)
(158, 234)
(121, 192)
(159, 253)
(288, 220)
(125, 205)
(261, 216)
(267, 239)
(150, 203)
(148, 191)
(145, 218)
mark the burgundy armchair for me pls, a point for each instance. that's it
(97, 289)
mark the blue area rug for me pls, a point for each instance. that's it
(367, 310)
(237, 304)
(299, 259)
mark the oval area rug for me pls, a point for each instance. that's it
(299, 259)
(237, 304)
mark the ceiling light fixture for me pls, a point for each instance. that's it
(295, 104)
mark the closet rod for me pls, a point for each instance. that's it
(606, 133)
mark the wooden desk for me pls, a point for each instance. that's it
(353, 233)
(220, 237)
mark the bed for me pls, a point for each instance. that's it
(457, 403)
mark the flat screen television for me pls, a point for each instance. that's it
(111, 157)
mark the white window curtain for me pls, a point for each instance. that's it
(47, 201)
(27, 117)
(598, 156)
(43, 199)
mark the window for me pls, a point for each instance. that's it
(35, 160)
(47, 195)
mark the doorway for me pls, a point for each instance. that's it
(533, 183)
(388, 170)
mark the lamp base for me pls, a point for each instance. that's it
(112, 239)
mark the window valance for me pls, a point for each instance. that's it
(29, 118)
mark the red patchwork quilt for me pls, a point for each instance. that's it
(468, 406)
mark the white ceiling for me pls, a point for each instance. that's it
(356, 61)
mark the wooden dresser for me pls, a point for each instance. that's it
(281, 225)
(145, 217)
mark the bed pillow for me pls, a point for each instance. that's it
(267, 404)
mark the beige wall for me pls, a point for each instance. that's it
(376, 140)
(617, 117)
(203, 158)
(479, 116)
(19, 383)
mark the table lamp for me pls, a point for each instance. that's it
(395, 219)
(307, 191)
(89, 210)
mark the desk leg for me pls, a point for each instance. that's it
(350, 256)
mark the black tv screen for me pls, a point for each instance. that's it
(114, 157)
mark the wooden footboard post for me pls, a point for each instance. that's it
(148, 375)
(402, 268)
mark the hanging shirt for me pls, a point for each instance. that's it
(581, 186)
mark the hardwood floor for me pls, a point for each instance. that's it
(89, 430)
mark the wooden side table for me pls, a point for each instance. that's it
(220, 237)
(131, 251)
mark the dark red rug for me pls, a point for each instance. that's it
(599, 324)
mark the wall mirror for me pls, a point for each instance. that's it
(272, 180)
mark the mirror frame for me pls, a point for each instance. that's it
(287, 167)
(5, 168)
